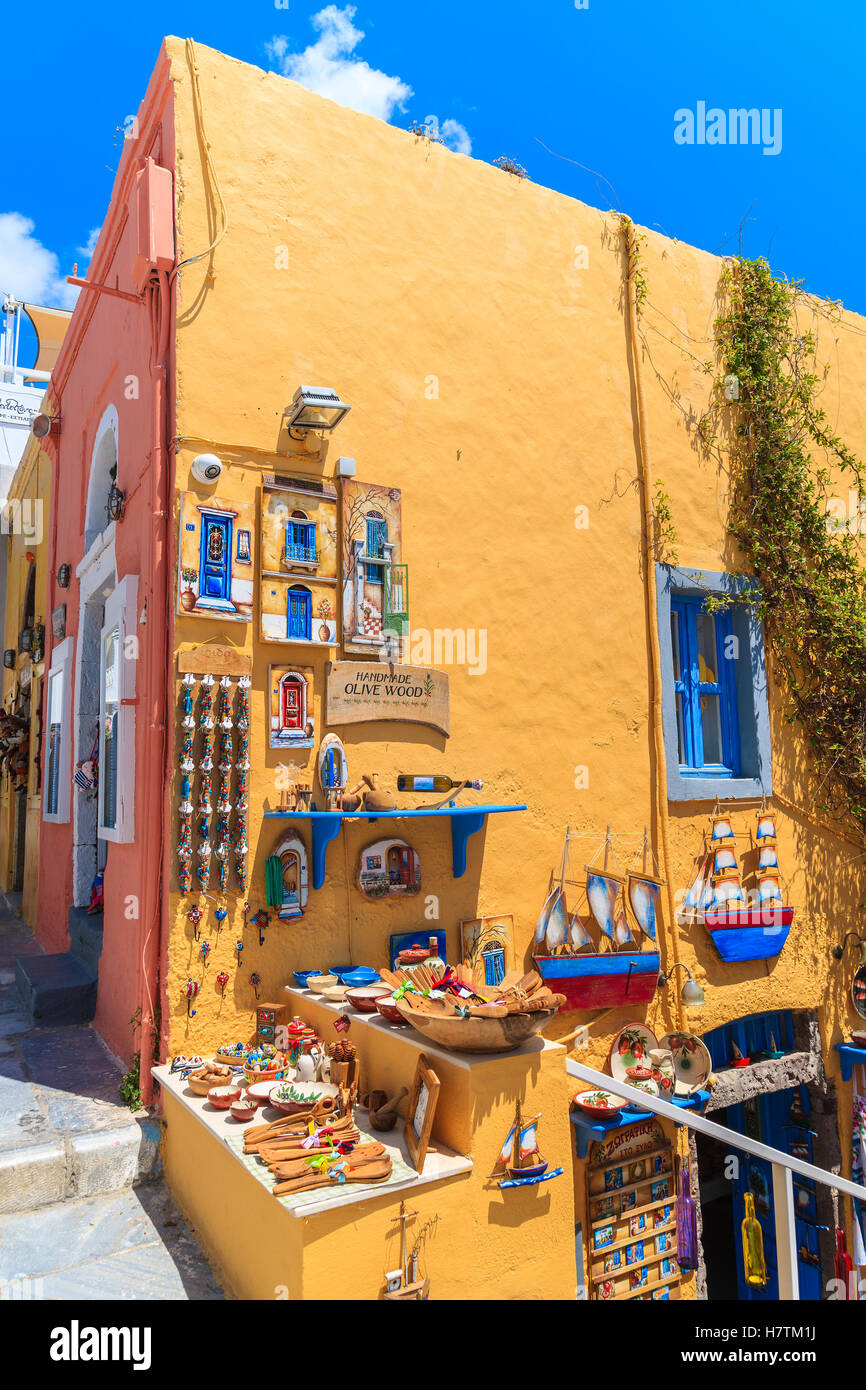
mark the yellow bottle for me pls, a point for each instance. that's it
(753, 1246)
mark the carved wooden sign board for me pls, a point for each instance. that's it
(358, 693)
(215, 659)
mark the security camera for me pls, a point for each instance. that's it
(206, 468)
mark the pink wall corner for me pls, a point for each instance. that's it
(107, 361)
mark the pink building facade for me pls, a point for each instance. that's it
(108, 641)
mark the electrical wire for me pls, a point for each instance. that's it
(210, 170)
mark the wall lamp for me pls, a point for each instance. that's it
(316, 408)
(115, 504)
(43, 425)
(839, 951)
(692, 993)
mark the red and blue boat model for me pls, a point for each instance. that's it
(744, 924)
(565, 954)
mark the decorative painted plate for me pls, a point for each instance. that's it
(692, 1061)
(858, 990)
(631, 1048)
(602, 1104)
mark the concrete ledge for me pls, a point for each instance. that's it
(736, 1084)
(32, 1177)
(56, 989)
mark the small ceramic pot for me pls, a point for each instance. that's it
(221, 1097)
(663, 1071)
(243, 1110)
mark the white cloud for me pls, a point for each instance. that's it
(27, 268)
(90, 246)
(453, 134)
(329, 67)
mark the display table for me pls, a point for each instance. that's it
(338, 1244)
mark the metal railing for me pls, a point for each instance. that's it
(783, 1165)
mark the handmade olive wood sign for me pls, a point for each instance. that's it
(358, 693)
(214, 658)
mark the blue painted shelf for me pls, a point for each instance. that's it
(326, 826)
(849, 1053)
(588, 1131)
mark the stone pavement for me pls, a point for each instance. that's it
(83, 1211)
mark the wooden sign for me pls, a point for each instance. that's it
(358, 693)
(215, 659)
(631, 1210)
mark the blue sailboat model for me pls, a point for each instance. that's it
(741, 929)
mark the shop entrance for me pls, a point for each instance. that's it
(781, 1120)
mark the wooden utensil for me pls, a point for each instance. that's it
(367, 1172)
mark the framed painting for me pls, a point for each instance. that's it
(420, 1112)
(487, 945)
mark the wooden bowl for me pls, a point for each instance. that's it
(388, 1009)
(203, 1081)
(222, 1097)
(364, 999)
(475, 1034)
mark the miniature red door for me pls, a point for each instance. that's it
(406, 866)
(291, 704)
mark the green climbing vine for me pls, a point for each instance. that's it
(783, 458)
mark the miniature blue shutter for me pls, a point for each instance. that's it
(377, 535)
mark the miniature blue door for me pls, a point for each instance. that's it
(215, 562)
(299, 615)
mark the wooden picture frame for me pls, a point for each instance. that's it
(420, 1112)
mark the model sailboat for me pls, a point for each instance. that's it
(520, 1156)
(618, 970)
(744, 924)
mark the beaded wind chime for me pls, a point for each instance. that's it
(242, 722)
(224, 767)
(187, 767)
(204, 809)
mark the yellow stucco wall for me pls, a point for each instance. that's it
(475, 321)
(27, 515)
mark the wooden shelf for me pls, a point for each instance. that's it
(633, 1211)
(603, 1250)
(326, 826)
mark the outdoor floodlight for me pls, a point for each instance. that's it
(316, 408)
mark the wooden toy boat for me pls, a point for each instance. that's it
(520, 1156)
(623, 973)
(740, 930)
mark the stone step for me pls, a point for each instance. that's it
(64, 1167)
(56, 989)
(130, 1245)
(85, 936)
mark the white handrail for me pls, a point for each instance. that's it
(715, 1131)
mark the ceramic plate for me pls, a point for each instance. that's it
(692, 1061)
(631, 1048)
(602, 1104)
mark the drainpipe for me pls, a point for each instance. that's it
(651, 592)
(157, 642)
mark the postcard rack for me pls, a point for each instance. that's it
(631, 1215)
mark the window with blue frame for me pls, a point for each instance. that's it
(376, 539)
(301, 539)
(703, 650)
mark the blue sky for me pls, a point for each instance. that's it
(598, 84)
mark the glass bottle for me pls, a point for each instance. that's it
(753, 1246)
(687, 1223)
(432, 782)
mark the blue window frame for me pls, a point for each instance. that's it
(705, 690)
(377, 535)
(301, 541)
(299, 615)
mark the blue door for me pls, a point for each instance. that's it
(299, 615)
(215, 562)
